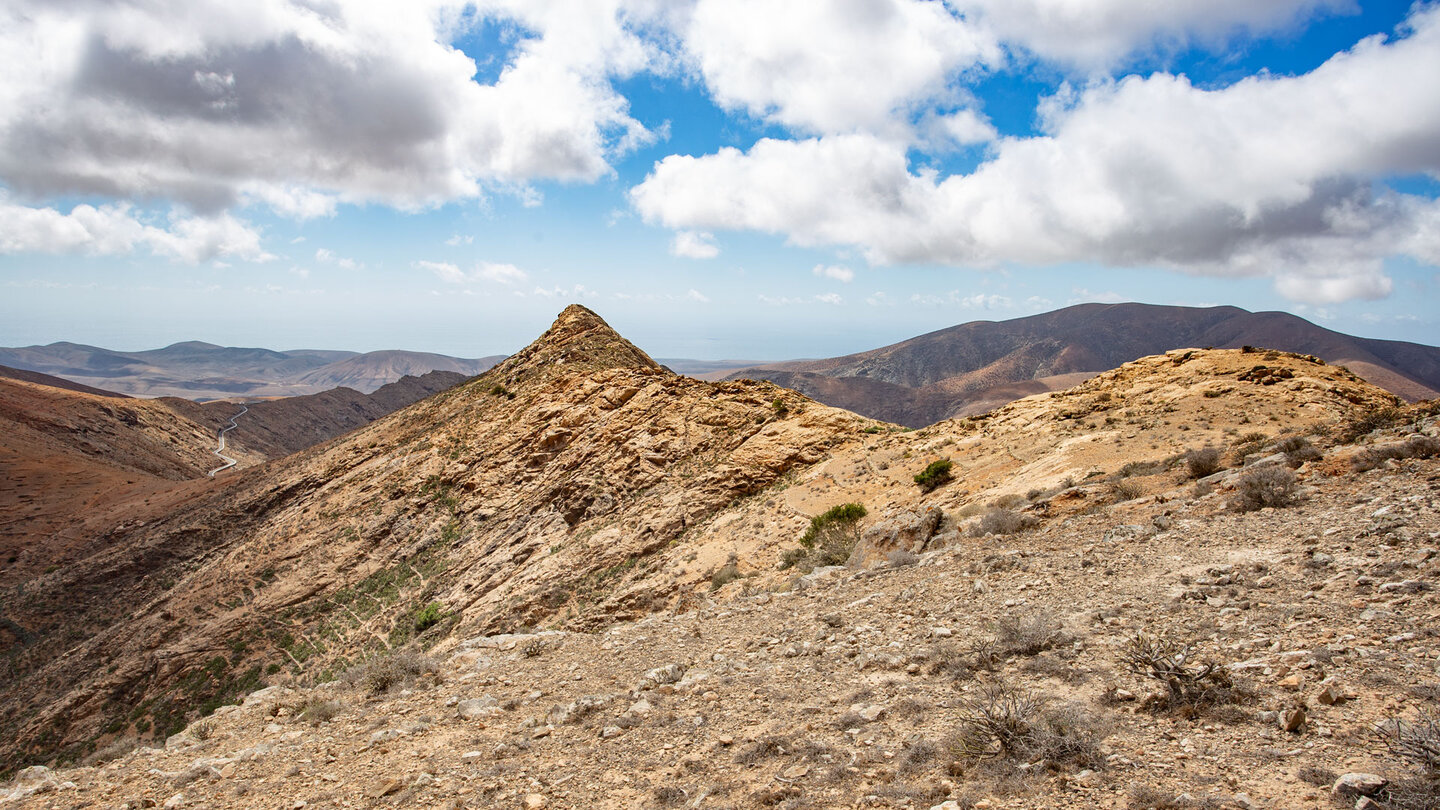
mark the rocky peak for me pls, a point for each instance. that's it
(578, 341)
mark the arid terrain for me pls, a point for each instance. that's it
(976, 367)
(203, 371)
(1199, 579)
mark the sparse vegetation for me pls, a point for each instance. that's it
(1015, 726)
(1372, 458)
(1417, 744)
(1371, 420)
(390, 672)
(935, 474)
(1271, 485)
(726, 574)
(1191, 685)
(830, 539)
(999, 520)
(1298, 450)
(1202, 462)
(901, 557)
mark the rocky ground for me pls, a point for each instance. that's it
(866, 686)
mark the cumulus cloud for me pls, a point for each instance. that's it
(1269, 176)
(1099, 33)
(843, 274)
(111, 230)
(694, 245)
(831, 65)
(299, 106)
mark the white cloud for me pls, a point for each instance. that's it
(111, 230)
(1271, 176)
(326, 256)
(458, 240)
(954, 298)
(843, 274)
(496, 273)
(833, 299)
(878, 299)
(1080, 295)
(1099, 33)
(832, 65)
(300, 106)
(697, 296)
(575, 293)
(694, 245)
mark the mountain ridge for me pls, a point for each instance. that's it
(971, 367)
(200, 370)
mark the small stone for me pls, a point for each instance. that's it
(641, 708)
(610, 731)
(795, 771)
(471, 756)
(725, 739)
(872, 712)
(228, 772)
(1292, 682)
(535, 801)
(1354, 785)
(1243, 801)
(478, 708)
(941, 632)
(384, 787)
(1293, 720)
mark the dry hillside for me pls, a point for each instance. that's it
(630, 526)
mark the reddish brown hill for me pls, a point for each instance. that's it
(971, 367)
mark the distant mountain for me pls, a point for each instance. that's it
(367, 372)
(278, 427)
(55, 382)
(977, 366)
(202, 371)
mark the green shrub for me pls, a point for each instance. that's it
(934, 474)
(428, 617)
(829, 540)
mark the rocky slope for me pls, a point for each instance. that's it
(861, 686)
(577, 487)
(974, 367)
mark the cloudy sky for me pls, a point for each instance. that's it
(718, 178)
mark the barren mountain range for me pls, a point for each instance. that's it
(578, 486)
(201, 371)
(977, 366)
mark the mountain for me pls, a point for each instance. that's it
(278, 427)
(367, 372)
(576, 486)
(55, 382)
(974, 367)
(198, 370)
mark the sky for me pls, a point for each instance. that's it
(718, 179)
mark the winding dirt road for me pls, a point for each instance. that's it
(220, 451)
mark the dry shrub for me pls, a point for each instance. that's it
(1266, 485)
(318, 710)
(999, 520)
(1298, 450)
(394, 671)
(1371, 420)
(1125, 490)
(1191, 686)
(1149, 797)
(1027, 635)
(901, 558)
(1414, 447)
(1016, 726)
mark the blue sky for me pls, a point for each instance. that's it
(717, 178)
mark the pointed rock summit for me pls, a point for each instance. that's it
(578, 341)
